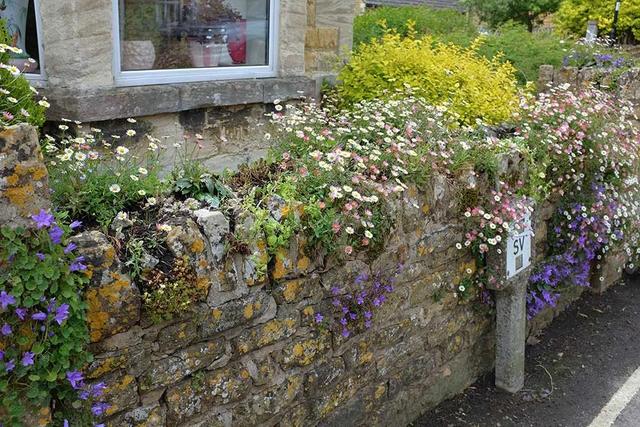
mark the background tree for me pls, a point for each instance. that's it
(527, 12)
(574, 15)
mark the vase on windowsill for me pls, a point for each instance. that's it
(205, 55)
(138, 55)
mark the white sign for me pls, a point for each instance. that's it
(519, 249)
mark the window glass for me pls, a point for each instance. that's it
(20, 18)
(178, 34)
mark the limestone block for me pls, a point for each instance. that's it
(305, 351)
(172, 369)
(24, 186)
(177, 336)
(293, 23)
(266, 334)
(258, 307)
(268, 403)
(79, 41)
(152, 415)
(216, 227)
(113, 300)
(199, 393)
(121, 392)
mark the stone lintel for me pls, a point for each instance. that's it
(109, 103)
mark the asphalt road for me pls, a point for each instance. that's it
(582, 370)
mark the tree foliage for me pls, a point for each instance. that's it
(527, 12)
(574, 15)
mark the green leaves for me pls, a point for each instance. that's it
(35, 272)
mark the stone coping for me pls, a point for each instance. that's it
(109, 103)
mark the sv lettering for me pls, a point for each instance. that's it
(518, 245)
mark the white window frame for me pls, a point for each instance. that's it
(185, 75)
(40, 78)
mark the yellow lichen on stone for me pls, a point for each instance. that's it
(380, 391)
(248, 311)
(20, 196)
(303, 263)
(12, 180)
(291, 289)
(197, 246)
(308, 311)
(298, 350)
(426, 209)
(216, 313)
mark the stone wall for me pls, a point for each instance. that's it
(626, 84)
(251, 354)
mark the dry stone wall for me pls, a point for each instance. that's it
(251, 354)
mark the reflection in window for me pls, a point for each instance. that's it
(175, 34)
(20, 20)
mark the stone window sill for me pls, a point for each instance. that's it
(98, 104)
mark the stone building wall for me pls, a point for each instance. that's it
(230, 115)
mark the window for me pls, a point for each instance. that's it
(169, 41)
(23, 24)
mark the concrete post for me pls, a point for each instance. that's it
(510, 336)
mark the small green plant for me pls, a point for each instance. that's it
(167, 295)
(17, 96)
(94, 181)
(43, 329)
(193, 181)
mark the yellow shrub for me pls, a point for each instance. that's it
(471, 86)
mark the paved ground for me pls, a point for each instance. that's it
(586, 366)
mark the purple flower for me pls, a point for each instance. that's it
(98, 389)
(21, 313)
(65, 423)
(11, 364)
(6, 330)
(368, 315)
(40, 316)
(76, 379)
(6, 300)
(70, 248)
(56, 234)
(376, 302)
(99, 408)
(77, 265)
(43, 219)
(40, 256)
(27, 358)
(335, 290)
(359, 300)
(75, 224)
(319, 318)
(1, 354)
(343, 321)
(345, 333)
(62, 313)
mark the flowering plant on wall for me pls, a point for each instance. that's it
(43, 329)
(94, 176)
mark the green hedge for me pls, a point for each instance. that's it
(525, 50)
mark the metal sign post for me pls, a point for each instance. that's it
(513, 266)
